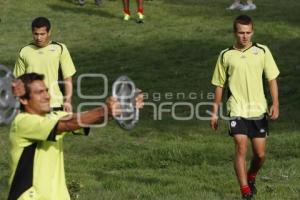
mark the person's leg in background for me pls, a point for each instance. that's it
(140, 10)
(236, 5)
(249, 6)
(126, 10)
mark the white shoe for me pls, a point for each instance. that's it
(235, 6)
(248, 6)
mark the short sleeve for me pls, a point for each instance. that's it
(20, 66)
(82, 131)
(67, 65)
(270, 70)
(38, 128)
(219, 75)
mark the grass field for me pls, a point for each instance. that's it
(174, 51)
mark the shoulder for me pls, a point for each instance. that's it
(24, 119)
(225, 51)
(61, 45)
(57, 114)
(27, 48)
(264, 48)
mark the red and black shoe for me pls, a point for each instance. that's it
(247, 196)
(252, 187)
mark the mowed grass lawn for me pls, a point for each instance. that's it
(173, 52)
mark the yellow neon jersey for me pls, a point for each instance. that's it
(51, 61)
(36, 158)
(244, 72)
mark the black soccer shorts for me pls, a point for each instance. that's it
(252, 127)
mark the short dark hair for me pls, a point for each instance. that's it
(242, 19)
(28, 79)
(40, 22)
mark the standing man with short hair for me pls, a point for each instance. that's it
(241, 68)
(53, 60)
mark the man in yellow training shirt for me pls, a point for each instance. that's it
(242, 67)
(53, 60)
(36, 141)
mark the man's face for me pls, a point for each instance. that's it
(243, 35)
(39, 101)
(41, 36)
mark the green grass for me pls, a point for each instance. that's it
(174, 51)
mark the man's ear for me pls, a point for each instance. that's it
(23, 101)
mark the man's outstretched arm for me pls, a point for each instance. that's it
(97, 115)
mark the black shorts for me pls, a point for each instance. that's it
(253, 128)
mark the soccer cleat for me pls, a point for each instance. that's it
(252, 187)
(235, 6)
(247, 196)
(126, 17)
(98, 2)
(140, 17)
(248, 6)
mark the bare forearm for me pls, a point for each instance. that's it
(274, 91)
(218, 99)
(68, 89)
(78, 120)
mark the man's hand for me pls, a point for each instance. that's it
(274, 111)
(67, 106)
(139, 101)
(214, 122)
(215, 108)
(18, 88)
(113, 106)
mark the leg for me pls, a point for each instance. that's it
(249, 6)
(258, 147)
(140, 7)
(126, 10)
(236, 5)
(241, 143)
(140, 11)
(126, 7)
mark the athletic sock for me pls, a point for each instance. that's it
(126, 11)
(141, 10)
(245, 189)
(126, 7)
(251, 176)
(140, 7)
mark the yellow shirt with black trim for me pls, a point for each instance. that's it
(53, 61)
(36, 158)
(243, 71)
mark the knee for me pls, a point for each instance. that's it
(241, 150)
(260, 156)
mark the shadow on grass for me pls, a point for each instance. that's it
(82, 10)
(102, 175)
(267, 10)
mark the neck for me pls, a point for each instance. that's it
(33, 112)
(242, 47)
(42, 46)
